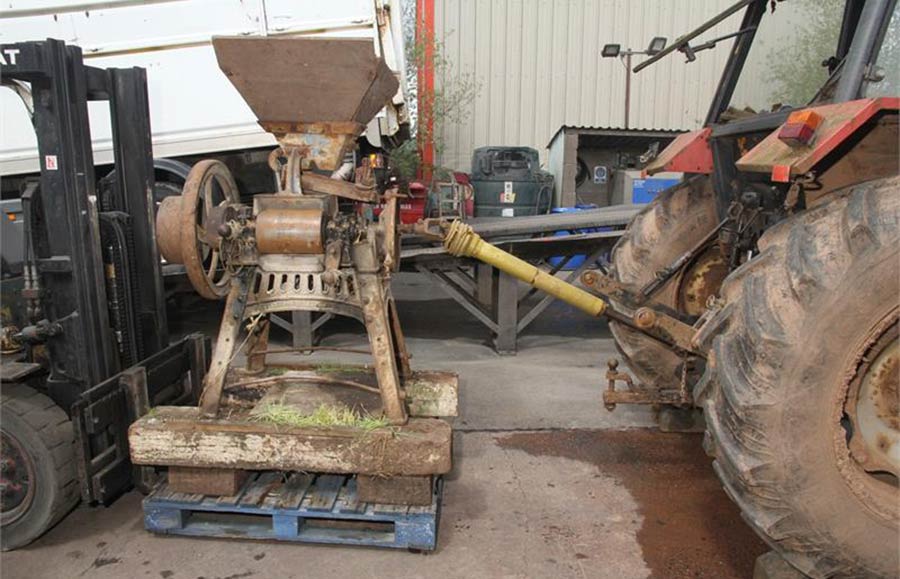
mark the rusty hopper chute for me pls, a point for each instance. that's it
(314, 94)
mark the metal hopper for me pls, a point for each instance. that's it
(314, 94)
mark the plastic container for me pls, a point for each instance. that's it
(576, 260)
(509, 182)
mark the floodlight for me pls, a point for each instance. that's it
(610, 50)
(656, 45)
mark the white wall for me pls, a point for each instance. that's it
(539, 65)
(193, 107)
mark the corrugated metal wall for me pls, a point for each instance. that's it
(539, 65)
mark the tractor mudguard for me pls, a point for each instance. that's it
(839, 122)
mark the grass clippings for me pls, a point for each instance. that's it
(335, 368)
(324, 416)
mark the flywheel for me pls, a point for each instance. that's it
(186, 227)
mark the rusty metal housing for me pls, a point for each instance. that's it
(290, 231)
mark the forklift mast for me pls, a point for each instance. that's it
(87, 244)
(92, 281)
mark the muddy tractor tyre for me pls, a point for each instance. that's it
(38, 465)
(669, 226)
(800, 393)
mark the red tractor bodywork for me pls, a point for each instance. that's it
(688, 153)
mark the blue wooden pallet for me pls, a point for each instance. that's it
(295, 507)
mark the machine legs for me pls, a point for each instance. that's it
(400, 352)
(257, 344)
(378, 325)
(382, 325)
(229, 331)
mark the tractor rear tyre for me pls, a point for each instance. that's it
(800, 393)
(37, 465)
(671, 225)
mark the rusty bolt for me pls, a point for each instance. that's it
(224, 230)
(589, 278)
(645, 318)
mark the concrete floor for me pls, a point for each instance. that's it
(546, 482)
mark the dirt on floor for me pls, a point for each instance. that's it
(690, 527)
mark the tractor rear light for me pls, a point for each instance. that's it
(781, 173)
(799, 128)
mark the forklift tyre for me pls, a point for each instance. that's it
(43, 437)
(806, 327)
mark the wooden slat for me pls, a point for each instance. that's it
(348, 501)
(256, 493)
(291, 493)
(390, 509)
(423, 510)
(399, 490)
(184, 497)
(233, 500)
(323, 494)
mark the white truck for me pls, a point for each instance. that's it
(195, 111)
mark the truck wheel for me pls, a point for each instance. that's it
(672, 224)
(802, 407)
(37, 465)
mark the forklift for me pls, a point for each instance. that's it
(86, 345)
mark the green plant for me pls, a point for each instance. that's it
(324, 416)
(446, 105)
(405, 159)
(795, 67)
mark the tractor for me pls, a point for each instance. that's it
(763, 289)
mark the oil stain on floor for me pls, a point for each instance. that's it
(690, 528)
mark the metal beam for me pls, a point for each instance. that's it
(459, 296)
(614, 215)
(548, 299)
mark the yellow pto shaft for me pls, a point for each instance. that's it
(461, 241)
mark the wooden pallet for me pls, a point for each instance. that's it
(295, 507)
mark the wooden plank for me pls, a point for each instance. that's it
(323, 494)
(206, 481)
(258, 491)
(176, 436)
(432, 394)
(348, 500)
(179, 497)
(393, 510)
(233, 499)
(291, 493)
(398, 490)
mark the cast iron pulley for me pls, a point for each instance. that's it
(186, 227)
